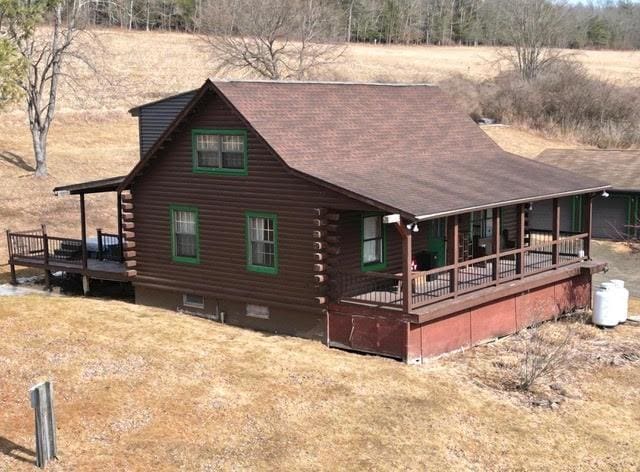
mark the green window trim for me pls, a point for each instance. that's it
(272, 270)
(372, 266)
(174, 256)
(214, 170)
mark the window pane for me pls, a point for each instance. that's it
(372, 251)
(185, 245)
(185, 222)
(372, 227)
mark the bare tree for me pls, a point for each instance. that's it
(531, 29)
(272, 39)
(44, 50)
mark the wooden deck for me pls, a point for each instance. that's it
(37, 249)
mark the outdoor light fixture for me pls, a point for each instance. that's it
(605, 194)
(413, 227)
(530, 206)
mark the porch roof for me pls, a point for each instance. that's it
(110, 184)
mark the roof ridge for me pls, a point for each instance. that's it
(325, 82)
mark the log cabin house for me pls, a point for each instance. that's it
(378, 218)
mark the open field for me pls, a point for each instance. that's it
(145, 389)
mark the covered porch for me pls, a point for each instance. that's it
(100, 255)
(435, 274)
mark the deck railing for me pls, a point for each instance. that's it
(37, 244)
(431, 286)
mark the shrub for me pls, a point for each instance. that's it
(565, 99)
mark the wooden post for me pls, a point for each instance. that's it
(45, 251)
(453, 250)
(12, 267)
(555, 259)
(407, 279)
(520, 257)
(120, 243)
(496, 243)
(100, 248)
(41, 396)
(83, 223)
(586, 223)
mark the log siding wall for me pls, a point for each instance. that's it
(222, 202)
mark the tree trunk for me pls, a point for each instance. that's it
(40, 150)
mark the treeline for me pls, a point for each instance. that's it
(605, 24)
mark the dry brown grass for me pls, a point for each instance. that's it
(144, 389)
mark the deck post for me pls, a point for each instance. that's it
(99, 233)
(453, 250)
(587, 212)
(45, 252)
(407, 279)
(496, 243)
(521, 235)
(556, 232)
(83, 223)
(120, 244)
(12, 267)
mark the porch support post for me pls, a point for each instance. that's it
(83, 225)
(453, 249)
(521, 234)
(120, 244)
(587, 212)
(496, 243)
(556, 232)
(407, 279)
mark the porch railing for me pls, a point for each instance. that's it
(431, 286)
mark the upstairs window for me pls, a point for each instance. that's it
(184, 234)
(262, 242)
(220, 151)
(373, 243)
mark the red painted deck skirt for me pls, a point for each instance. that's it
(385, 332)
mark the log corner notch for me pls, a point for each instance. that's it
(325, 242)
(126, 230)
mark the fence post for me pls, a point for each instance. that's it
(99, 230)
(41, 396)
(45, 248)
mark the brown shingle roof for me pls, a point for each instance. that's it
(406, 147)
(620, 168)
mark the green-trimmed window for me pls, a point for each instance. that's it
(185, 238)
(219, 151)
(373, 243)
(262, 242)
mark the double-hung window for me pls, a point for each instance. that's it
(184, 234)
(220, 151)
(262, 242)
(373, 243)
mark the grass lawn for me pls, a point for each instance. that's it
(145, 389)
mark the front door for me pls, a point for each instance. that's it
(436, 240)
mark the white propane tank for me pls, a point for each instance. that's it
(604, 306)
(622, 299)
